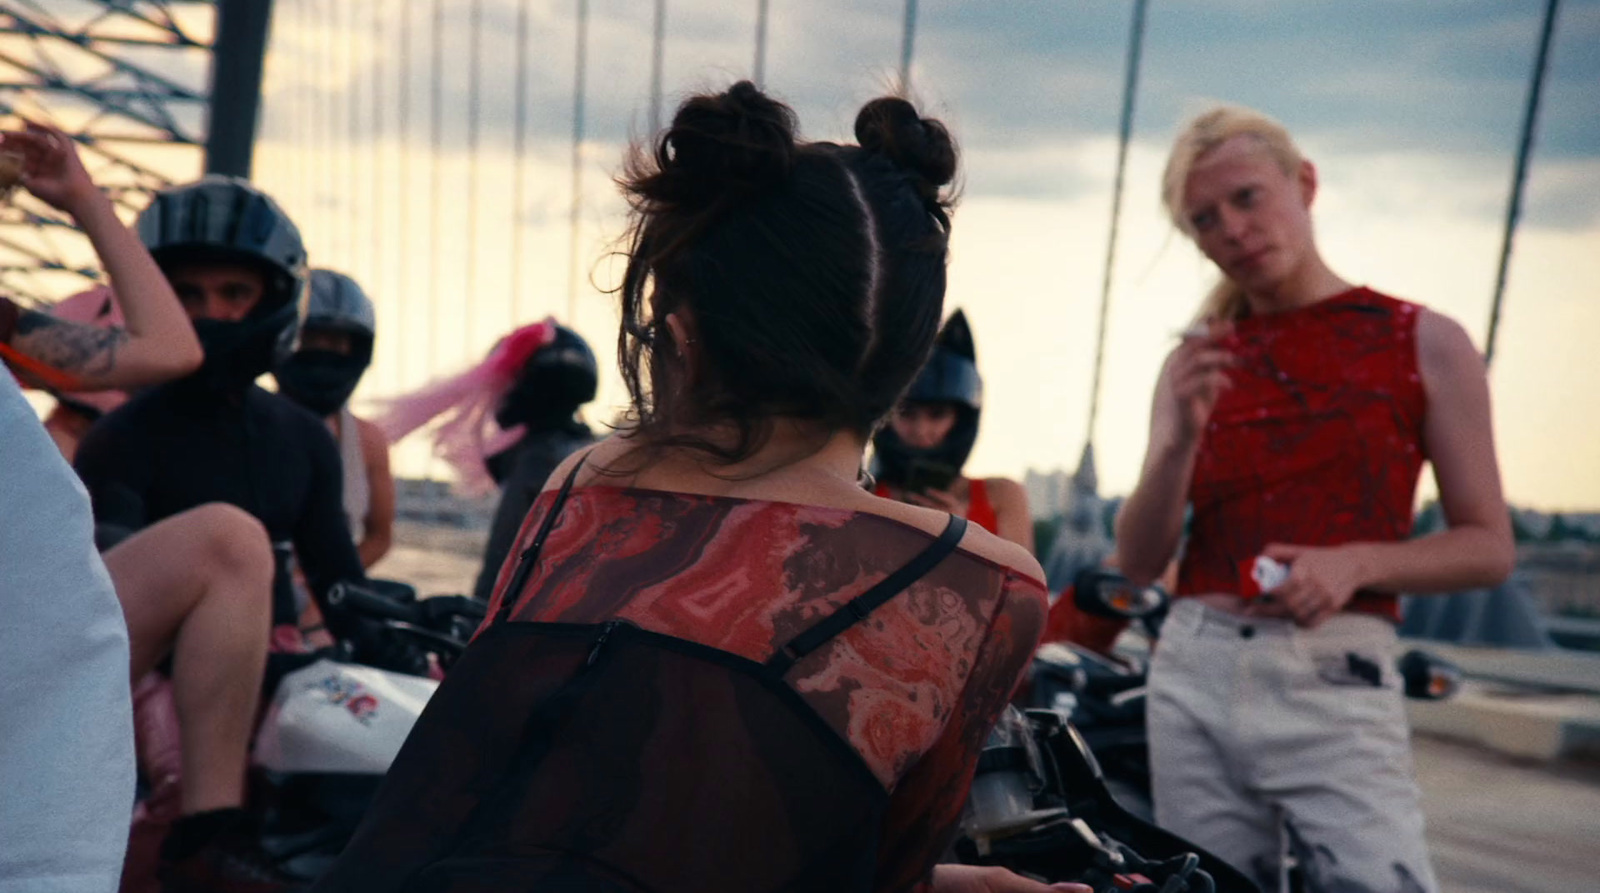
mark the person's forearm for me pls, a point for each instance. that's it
(1150, 523)
(156, 324)
(1465, 557)
(373, 547)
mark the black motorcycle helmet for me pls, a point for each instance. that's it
(950, 377)
(221, 219)
(558, 379)
(322, 380)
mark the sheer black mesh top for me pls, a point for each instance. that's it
(602, 755)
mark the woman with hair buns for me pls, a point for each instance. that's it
(1294, 419)
(717, 663)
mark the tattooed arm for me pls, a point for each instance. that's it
(159, 342)
(86, 353)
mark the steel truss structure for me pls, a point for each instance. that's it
(126, 79)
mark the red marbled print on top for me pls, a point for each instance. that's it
(914, 688)
(1318, 442)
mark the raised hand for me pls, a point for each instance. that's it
(51, 169)
(1199, 374)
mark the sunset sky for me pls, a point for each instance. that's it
(1410, 110)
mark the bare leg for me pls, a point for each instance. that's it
(198, 586)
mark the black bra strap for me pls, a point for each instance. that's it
(530, 555)
(859, 607)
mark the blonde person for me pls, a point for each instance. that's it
(1295, 419)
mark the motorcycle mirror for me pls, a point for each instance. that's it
(1106, 593)
(1429, 678)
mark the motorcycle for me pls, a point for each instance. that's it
(334, 725)
(1039, 806)
(334, 721)
(1103, 693)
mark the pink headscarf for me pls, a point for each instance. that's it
(467, 401)
(96, 307)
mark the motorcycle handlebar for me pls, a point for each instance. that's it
(428, 612)
(358, 599)
(444, 607)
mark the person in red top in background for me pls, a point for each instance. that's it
(1294, 419)
(918, 455)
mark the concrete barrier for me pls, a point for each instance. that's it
(1541, 727)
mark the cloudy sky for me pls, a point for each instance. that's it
(1410, 109)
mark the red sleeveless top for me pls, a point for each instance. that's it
(980, 510)
(1318, 442)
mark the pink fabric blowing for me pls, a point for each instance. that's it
(466, 402)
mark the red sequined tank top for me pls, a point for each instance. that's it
(1318, 442)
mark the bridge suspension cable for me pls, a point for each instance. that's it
(1130, 89)
(1519, 177)
(519, 186)
(658, 50)
(908, 34)
(580, 65)
(474, 125)
(759, 71)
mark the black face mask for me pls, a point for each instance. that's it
(236, 354)
(319, 380)
(918, 470)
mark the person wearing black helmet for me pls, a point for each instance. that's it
(238, 266)
(334, 351)
(545, 399)
(918, 455)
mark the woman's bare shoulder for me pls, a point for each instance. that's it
(613, 452)
(1443, 344)
(977, 541)
(599, 456)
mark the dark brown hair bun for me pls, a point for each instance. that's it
(740, 141)
(891, 127)
(810, 276)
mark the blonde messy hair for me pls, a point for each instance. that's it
(1203, 133)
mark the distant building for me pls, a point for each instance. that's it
(1563, 576)
(1083, 539)
(1047, 493)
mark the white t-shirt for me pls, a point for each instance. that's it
(66, 715)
